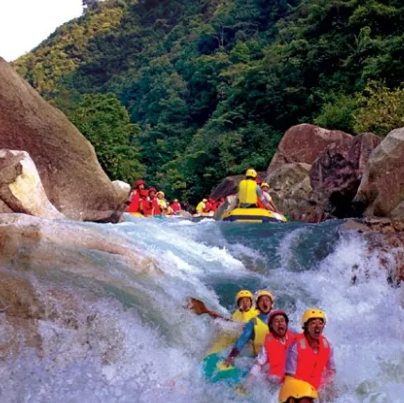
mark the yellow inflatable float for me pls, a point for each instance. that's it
(253, 215)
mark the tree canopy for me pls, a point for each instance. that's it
(211, 85)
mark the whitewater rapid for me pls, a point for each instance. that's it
(133, 341)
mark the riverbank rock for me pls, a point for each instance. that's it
(381, 191)
(292, 193)
(53, 278)
(303, 143)
(21, 189)
(336, 173)
(73, 179)
(385, 240)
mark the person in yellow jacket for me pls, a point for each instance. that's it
(200, 208)
(256, 329)
(245, 310)
(249, 191)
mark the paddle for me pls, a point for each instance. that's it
(198, 307)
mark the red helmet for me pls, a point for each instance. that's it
(258, 181)
(152, 190)
(139, 182)
(275, 313)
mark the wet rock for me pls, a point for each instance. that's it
(291, 192)
(385, 239)
(21, 189)
(73, 179)
(122, 190)
(381, 190)
(336, 174)
(303, 143)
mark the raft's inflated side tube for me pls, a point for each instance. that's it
(253, 215)
(159, 217)
(137, 214)
(213, 364)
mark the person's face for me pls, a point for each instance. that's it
(301, 400)
(160, 196)
(152, 194)
(279, 325)
(244, 304)
(264, 304)
(315, 327)
(141, 187)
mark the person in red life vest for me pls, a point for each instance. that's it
(310, 356)
(273, 352)
(212, 204)
(176, 206)
(136, 196)
(151, 205)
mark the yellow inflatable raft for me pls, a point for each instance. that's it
(253, 215)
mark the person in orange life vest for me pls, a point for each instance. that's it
(211, 205)
(135, 196)
(310, 356)
(256, 329)
(268, 198)
(176, 206)
(151, 205)
(273, 352)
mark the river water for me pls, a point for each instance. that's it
(132, 340)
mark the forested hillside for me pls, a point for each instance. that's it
(186, 92)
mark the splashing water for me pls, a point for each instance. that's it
(110, 334)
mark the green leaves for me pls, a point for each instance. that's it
(213, 85)
(105, 123)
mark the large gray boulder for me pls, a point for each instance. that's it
(381, 191)
(21, 189)
(303, 143)
(67, 165)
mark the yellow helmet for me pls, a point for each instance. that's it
(244, 294)
(205, 200)
(297, 389)
(252, 173)
(265, 185)
(313, 313)
(262, 293)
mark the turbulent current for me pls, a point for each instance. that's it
(127, 337)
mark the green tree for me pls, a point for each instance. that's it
(382, 109)
(105, 123)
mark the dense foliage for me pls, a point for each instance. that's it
(213, 84)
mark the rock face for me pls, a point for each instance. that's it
(385, 240)
(381, 191)
(303, 143)
(122, 190)
(291, 192)
(70, 173)
(338, 170)
(45, 266)
(21, 189)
